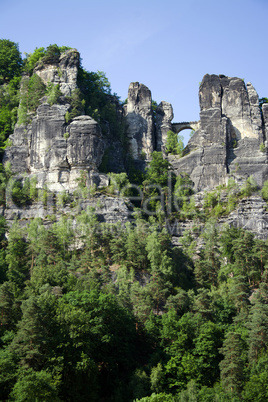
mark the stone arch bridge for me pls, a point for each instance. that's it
(192, 125)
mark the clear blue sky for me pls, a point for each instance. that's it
(168, 45)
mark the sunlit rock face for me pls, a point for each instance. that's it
(56, 152)
(230, 135)
(62, 71)
(139, 121)
(229, 142)
(145, 128)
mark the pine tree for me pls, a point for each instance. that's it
(9, 307)
(231, 367)
(16, 257)
(258, 324)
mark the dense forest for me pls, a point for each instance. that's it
(91, 311)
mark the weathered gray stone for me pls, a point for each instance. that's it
(139, 120)
(108, 209)
(46, 128)
(251, 214)
(85, 144)
(236, 106)
(228, 140)
(53, 152)
(210, 92)
(164, 116)
(265, 120)
(255, 113)
(62, 72)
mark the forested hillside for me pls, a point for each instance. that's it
(97, 311)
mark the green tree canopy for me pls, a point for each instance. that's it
(174, 144)
(157, 172)
(10, 60)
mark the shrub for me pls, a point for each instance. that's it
(32, 89)
(211, 199)
(63, 198)
(264, 190)
(249, 187)
(119, 182)
(33, 58)
(53, 92)
(262, 147)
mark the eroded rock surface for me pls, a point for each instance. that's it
(230, 141)
(55, 152)
(62, 71)
(230, 135)
(139, 121)
(164, 116)
(108, 209)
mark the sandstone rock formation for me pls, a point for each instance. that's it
(139, 121)
(108, 209)
(164, 116)
(62, 71)
(230, 135)
(265, 120)
(55, 152)
(146, 130)
(230, 141)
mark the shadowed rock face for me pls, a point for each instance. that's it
(164, 116)
(265, 119)
(231, 132)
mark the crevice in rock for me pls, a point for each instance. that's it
(69, 166)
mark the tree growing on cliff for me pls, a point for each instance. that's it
(174, 144)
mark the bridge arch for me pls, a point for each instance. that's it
(192, 125)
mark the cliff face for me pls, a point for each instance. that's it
(146, 129)
(63, 71)
(230, 141)
(230, 135)
(56, 152)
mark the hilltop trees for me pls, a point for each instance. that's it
(10, 60)
(10, 75)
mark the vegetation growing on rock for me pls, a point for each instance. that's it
(94, 310)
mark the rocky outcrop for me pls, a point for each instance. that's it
(55, 152)
(62, 71)
(230, 135)
(250, 214)
(265, 120)
(164, 116)
(230, 141)
(139, 121)
(146, 130)
(108, 209)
